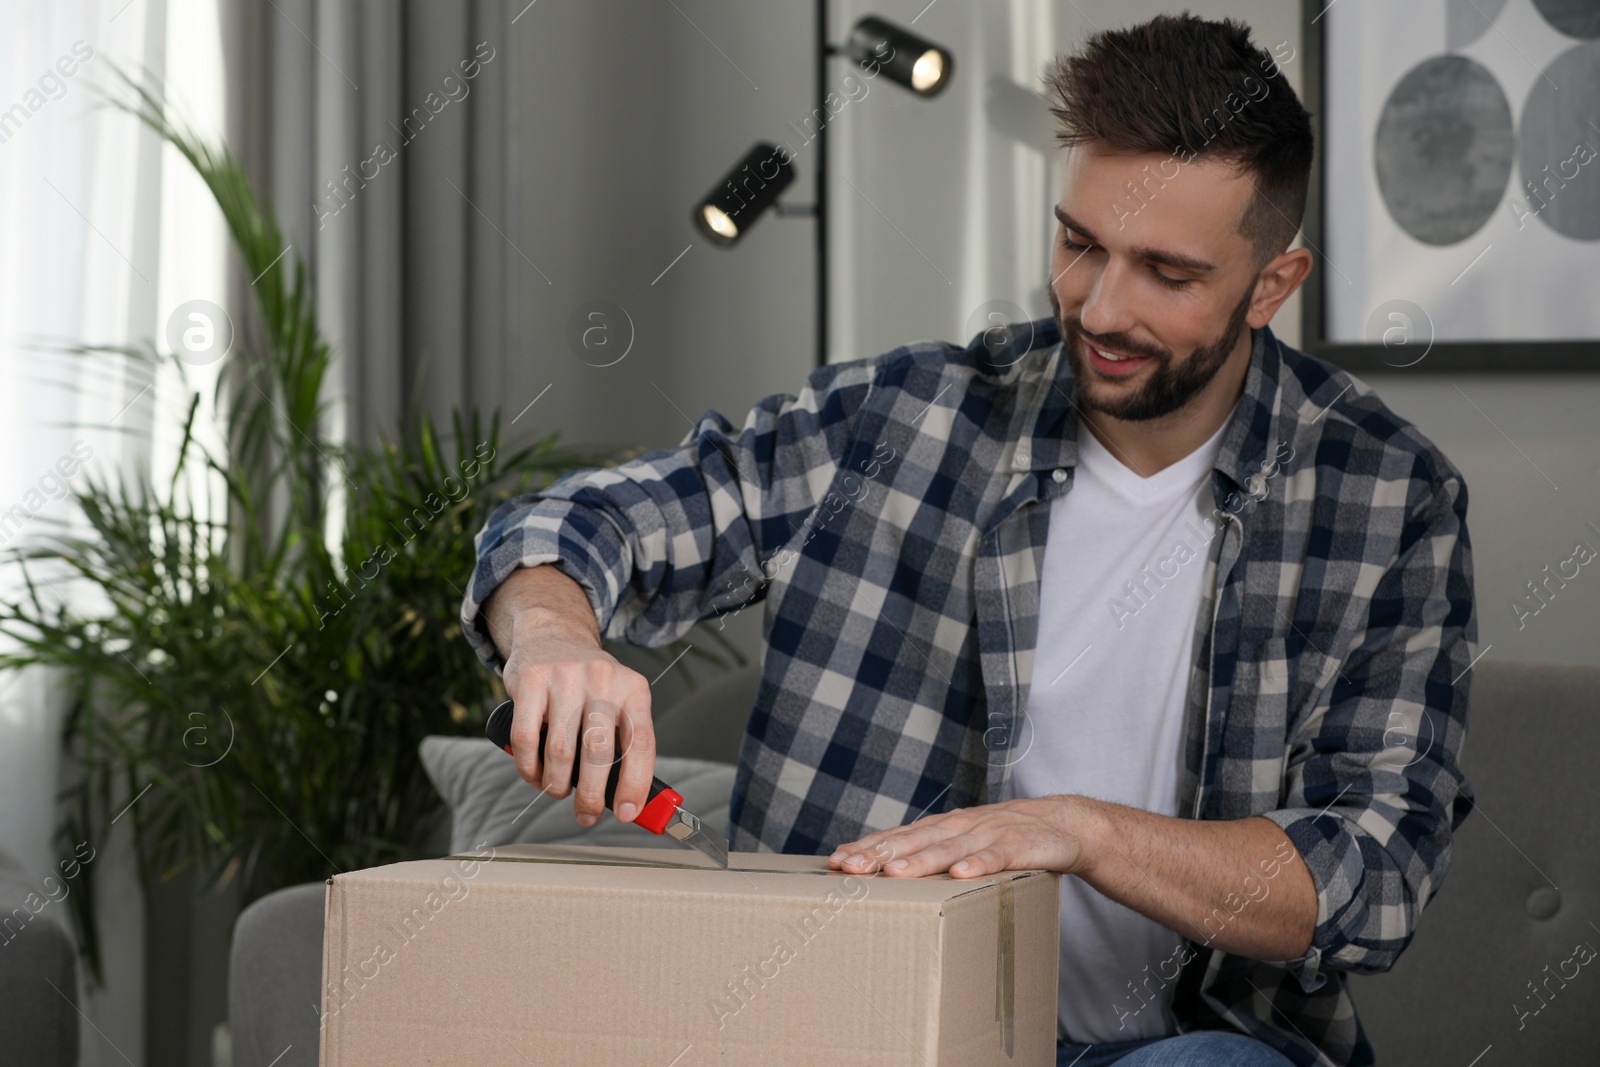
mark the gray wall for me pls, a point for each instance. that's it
(931, 223)
(622, 114)
(1531, 459)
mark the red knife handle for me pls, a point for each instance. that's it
(658, 810)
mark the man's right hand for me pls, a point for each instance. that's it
(556, 672)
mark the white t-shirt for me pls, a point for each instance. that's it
(1120, 591)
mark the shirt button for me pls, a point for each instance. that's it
(1024, 457)
(1059, 474)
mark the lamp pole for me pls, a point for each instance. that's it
(914, 62)
(824, 50)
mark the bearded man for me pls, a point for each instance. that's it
(1136, 593)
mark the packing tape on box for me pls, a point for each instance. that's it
(1005, 979)
(663, 865)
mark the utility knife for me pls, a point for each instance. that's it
(663, 813)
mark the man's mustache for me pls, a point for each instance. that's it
(1120, 343)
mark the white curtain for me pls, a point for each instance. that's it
(103, 233)
(377, 130)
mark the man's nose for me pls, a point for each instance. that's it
(1108, 309)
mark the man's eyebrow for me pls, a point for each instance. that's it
(1153, 255)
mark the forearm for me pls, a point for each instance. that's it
(539, 596)
(1238, 886)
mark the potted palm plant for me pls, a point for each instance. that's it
(256, 672)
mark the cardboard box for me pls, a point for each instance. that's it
(582, 955)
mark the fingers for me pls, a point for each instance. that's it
(928, 846)
(967, 842)
(529, 701)
(932, 857)
(874, 852)
(596, 744)
(984, 861)
(882, 846)
(638, 736)
(564, 712)
(595, 712)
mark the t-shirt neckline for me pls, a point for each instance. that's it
(1185, 473)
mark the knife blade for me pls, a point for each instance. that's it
(663, 812)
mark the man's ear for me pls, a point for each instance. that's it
(1277, 280)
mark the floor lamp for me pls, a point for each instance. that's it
(877, 46)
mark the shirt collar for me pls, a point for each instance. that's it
(1053, 412)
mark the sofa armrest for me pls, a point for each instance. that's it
(38, 974)
(275, 979)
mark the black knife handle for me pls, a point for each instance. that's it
(499, 731)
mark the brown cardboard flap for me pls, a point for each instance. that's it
(1005, 960)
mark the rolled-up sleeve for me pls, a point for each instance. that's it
(676, 535)
(1373, 780)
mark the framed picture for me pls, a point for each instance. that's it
(1455, 205)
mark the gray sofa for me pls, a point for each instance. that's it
(38, 1023)
(1521, 893)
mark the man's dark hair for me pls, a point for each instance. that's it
(1194, 89)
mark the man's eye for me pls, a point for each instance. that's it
(1074, 245)
(1171, 283)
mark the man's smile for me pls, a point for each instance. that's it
(1111, 364)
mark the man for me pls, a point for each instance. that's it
(1135, 593)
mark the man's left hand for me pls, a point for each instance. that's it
(1015, 835)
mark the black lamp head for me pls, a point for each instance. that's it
(912, 61)
(753, 185)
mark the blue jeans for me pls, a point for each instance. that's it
(1210, 1048)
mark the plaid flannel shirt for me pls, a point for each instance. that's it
(891, 519)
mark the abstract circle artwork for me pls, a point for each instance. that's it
(1444, 149)
(1467, 20)
(1575, 18)
(1557, 146)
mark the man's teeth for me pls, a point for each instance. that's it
(1110, 356)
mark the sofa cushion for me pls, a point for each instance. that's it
(709, 722)
(491, 805)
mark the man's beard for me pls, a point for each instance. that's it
(1170, 386)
